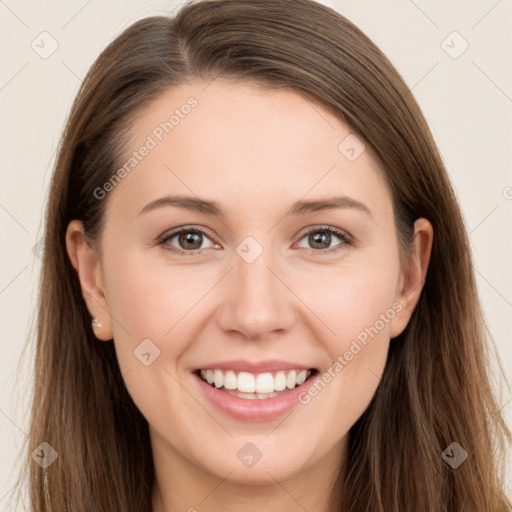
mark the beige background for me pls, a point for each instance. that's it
(467, 101)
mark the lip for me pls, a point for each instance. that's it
(255, 410)
(243, 365)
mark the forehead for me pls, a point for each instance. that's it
(245, 145)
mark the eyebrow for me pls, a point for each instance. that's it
(300, 207)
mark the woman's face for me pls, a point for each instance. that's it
(260, 280)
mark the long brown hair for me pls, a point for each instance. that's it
(435, 389)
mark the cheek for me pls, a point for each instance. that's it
(157, 310)
(349, 300)
(355, 306)
(152, 301)
(152, 308)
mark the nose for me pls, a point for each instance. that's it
(256, 302)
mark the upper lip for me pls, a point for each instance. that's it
(243, 365)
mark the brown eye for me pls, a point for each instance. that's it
(188, 241)
(191, 240)
(319, 240)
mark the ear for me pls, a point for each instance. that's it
(412, 278)
(86, 262)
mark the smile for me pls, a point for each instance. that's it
(255, 386)
(254, 397)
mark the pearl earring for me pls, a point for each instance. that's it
(96, 323)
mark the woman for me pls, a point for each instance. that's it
(257, 288)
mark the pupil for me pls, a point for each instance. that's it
(320, 236)
(190, 237)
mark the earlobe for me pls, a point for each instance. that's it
(413, 277)
(85, 261)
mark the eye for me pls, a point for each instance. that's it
(189, 240)
(320, 239)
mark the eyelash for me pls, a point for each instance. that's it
(345, 237)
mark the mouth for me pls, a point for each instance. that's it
(255, 386)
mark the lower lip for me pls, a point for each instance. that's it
(265, 409)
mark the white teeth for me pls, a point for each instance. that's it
(262, 385)
(246, 382)
(218, 378)
(252, 396)
(291, 379)
(230, 380)
(280, 381)
(302, 376)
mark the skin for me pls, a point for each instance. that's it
(255, 152)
